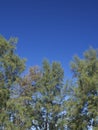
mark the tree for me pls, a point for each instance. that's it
(11, 66)
(83, 106)
(51, 84)
(44, 85)
(42, 99)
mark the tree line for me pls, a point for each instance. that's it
(40, 100)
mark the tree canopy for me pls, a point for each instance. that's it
(84, 112)
(40, 99)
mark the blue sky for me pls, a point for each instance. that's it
(53, 29)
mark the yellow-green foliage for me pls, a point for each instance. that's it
(85, 94)
(41, 97)
(11, 66)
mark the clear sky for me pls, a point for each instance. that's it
(53, 29)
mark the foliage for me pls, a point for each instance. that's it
(46, 91)
(84, 104)
(11, 66)
(40, 99)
